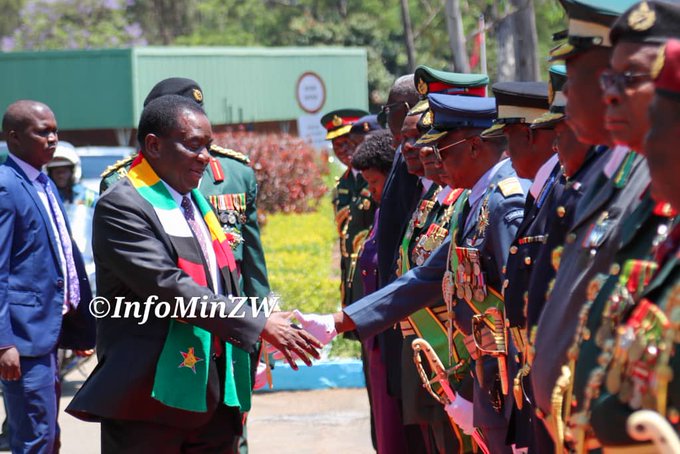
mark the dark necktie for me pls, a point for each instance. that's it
(188, 210)
(73, 297)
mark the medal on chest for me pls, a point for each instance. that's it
(428, 242)
(598, 232)
(470, 281)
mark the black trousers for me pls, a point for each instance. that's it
(219, 435)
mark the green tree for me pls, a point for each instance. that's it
(376, 25)
(73, 24)
(10, 11)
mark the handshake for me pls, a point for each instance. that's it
(290, 341)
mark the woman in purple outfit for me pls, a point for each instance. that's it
(374, 159)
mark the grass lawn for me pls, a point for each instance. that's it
(302, 260)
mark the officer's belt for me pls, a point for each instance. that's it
(430, 324)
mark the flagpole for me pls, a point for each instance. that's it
(482, 46)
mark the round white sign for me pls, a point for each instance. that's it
(310, 92)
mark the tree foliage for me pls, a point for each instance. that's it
(58, 24)
(373, 24)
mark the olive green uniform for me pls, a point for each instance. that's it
(610, 300)
(641, 371)
(354, 209)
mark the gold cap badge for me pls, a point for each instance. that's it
(422, 87)
(642, 18)
(428, 118)
(198, 96)
(337, 121)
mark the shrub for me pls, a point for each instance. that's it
(302, 261)
(289, 171)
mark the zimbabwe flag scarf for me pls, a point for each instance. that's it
(181, 378)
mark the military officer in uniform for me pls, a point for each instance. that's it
(520, 103)
(426, 230)
(352, 201)
(496, 203)
(230, 186)
(477, 255)
(531, 153)
(417, 407)
(644, 374)
(636, 36)
(529, 263)
(596, 231)
(425, 80)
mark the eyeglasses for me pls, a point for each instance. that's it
(622, 81)
(392, 106)
(437, 149)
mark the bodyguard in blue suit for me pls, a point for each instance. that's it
(44, 290)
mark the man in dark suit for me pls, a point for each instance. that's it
(42, 281)
(139, 397)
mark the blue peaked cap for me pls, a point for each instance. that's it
(451, 112)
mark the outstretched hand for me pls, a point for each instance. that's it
(293, 342)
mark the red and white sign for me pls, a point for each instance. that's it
(310, 92)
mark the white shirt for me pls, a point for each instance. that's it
(443, 194)
(542, 176)
(427, 184)
(480, 187)
(617, 156)
(205, 233)
(32, 174)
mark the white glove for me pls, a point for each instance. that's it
(460, 410)
(320, 326)
(260, 376)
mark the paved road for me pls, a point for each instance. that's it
(302, 422)
(310, 422)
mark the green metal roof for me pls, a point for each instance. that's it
(103, 89)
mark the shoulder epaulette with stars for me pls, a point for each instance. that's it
(117, 165)
(510, 186)
(230, 154)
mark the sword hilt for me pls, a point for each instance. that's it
(441, 375)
